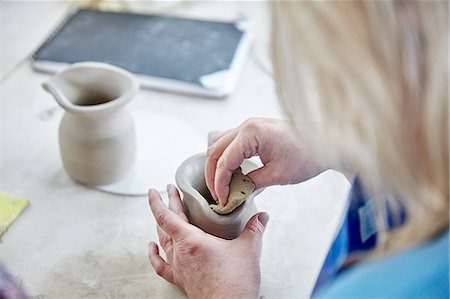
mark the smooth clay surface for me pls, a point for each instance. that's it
(97, 135)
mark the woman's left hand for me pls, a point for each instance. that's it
(205, 266)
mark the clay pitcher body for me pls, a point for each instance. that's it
(197, 198)
(96, 135)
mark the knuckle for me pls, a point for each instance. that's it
(193, 250)
(164, 240)
(256, 229)
(160, 269)
(251, 124)
(190, 248)
(214, 157)
(221, 164)
(161, 219)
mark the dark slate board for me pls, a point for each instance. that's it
(159, 46)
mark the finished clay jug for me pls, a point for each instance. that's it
(96, 135)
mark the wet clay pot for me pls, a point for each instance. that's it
(196, 199)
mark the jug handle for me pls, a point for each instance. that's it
(50, 87)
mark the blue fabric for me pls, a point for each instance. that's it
(358, 232)
(361, 220)
(336, 256)
(419, 272)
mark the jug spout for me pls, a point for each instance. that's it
(52, 88)
(91, 87)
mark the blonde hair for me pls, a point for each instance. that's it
(373, 76)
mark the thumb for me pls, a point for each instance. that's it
(255, 227)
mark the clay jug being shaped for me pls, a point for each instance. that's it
(190, 179)
(96, 135)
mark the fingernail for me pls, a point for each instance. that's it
(263, 218)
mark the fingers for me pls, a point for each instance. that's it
(213, 155)
(166, 242)
(159, 265)
(254, 229)
(168, 220)
(175, 203)
(176, 206)
(231, 159)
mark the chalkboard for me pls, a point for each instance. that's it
(153, 45)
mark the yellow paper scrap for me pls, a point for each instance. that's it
(10, 208)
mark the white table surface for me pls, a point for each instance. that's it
(74, 242)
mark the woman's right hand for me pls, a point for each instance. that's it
(286, 160)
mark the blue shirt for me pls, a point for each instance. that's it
(358, 231)
(419, 272)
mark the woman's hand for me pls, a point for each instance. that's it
(201, 264)
(285, 159)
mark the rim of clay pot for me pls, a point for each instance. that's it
(95, 108)
(213, 216)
